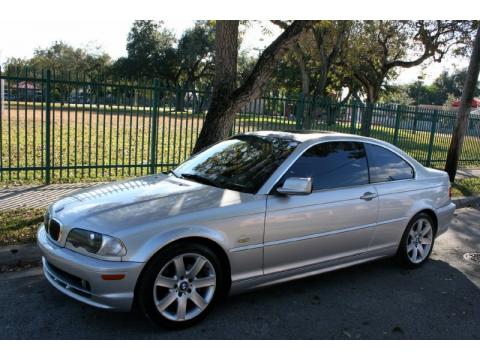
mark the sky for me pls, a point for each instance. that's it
(111, 36)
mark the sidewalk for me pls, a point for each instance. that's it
(31, 196)
(36, 196)
(467, 173)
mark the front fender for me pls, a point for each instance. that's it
(159, 241)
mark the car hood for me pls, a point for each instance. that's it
(128, 203)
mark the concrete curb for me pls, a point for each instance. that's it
(29, 254)
(462, 202)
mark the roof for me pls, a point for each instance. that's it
(27, 85)
(311, 137)
(303, 136)
(475, 103)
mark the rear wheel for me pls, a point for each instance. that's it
(417, 241)
(181, 285)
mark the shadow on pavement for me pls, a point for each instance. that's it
(467, 228)
(378, 300)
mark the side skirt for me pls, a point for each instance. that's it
(310, 270)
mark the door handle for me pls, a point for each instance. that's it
(368, 196)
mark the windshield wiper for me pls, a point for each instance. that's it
(173, 173)
(199, 179)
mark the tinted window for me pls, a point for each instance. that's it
(242, 163)
(332, 165)
(386, 166)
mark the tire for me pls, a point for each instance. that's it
(417, 241)
(172, 302)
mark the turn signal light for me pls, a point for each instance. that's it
(113, 276)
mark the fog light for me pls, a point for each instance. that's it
(84, 284)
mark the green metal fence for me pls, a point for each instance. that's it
(60, 127)
(423, 133)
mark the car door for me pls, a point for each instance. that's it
(392, 176)
(335, 221)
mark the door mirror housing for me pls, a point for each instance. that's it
(296, 186)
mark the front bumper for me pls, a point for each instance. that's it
(444, 217)
(79, 276)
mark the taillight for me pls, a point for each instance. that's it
(450, 191)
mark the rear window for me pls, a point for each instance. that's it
(386, 166)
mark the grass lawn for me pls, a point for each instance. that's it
(100, 143)
(119, 142)
(19, 226)
(466, 187)
(71, 106)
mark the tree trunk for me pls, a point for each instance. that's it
(305, 77)
(328, 58)
(226, 101)
(372, 97)
(463, 113)
(323, 79)
(303, 70)
(180, 99)
(300, 57)
(180, 94)
(219, 120)
(333, 112)
(201, 103)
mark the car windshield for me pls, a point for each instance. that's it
(242, 163)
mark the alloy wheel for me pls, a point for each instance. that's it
(419, 241)
(184, 287)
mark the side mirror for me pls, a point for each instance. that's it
(296, 186)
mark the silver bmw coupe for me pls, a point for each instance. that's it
(254, 210)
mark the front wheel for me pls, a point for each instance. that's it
(180, 285)
(417, 241)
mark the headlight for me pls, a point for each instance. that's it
(85, 241)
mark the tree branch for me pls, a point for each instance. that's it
(280, 23)
(258, 79)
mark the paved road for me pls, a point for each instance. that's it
(373, 301)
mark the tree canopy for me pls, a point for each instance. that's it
(63, 58)
(154, 51)
(338, 59)
(377, 49)
(446, 87)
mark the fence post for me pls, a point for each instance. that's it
(432, 137)
(47, 126)
(398, 117)
(299, 114)
(2, 92)
(353, 117)
(367, 119)
(415, 119)
(153, 142)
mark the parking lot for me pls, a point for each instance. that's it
(374, 301)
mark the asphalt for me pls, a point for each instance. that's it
(379, 300)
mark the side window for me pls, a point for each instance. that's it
(386, 165)
(332, 165)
